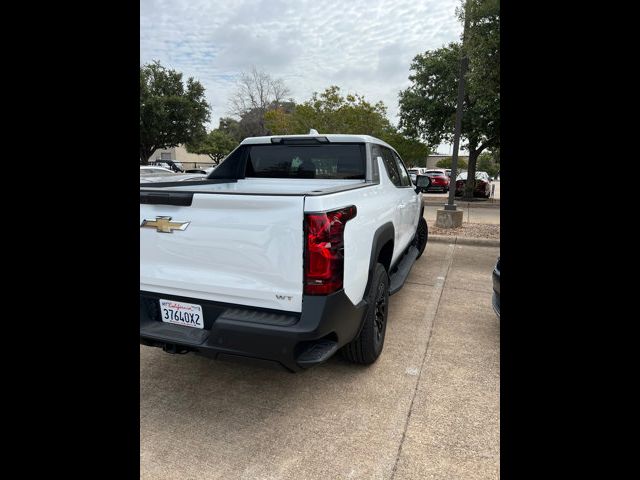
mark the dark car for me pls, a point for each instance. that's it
(483, 184)
(496, 288)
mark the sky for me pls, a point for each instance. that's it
(364, 47)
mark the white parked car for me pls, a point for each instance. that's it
(482, 187)
(204, 171)
(155, 171)
(287, 253)
(168, 164)
(414, 172)
(484, 176)
(159, 174)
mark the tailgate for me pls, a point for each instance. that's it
(238, 249)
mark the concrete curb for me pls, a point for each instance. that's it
(480, 242)
(461, 205)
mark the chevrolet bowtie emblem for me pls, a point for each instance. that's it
(164, 224)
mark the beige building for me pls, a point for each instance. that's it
(179, 154)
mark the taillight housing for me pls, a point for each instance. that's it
(324, 250)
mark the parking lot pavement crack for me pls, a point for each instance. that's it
(421, 283)
(467, 289)
(431, 311)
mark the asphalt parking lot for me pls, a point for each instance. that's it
(427, 409)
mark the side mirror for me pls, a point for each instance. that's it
(423, 182)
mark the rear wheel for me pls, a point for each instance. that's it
(366, 347)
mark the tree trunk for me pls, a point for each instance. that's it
(470, 184)
(145, 154)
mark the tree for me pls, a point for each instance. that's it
(446, 163)
(332, 112)
(412, 151)
(427, 107)
(231, 127)
(486, 163)
(256, 93)
(171, 113)
(217, 144)
(280, 120)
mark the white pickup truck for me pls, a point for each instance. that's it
(286, 253)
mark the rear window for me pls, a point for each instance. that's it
(333, 161)
(431, 173)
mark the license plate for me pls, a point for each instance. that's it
(180, 313)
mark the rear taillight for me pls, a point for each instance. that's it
(324, 250)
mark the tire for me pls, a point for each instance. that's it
(421, 237)
(366, 347)
(445, 190)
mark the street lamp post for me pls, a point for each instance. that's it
(464, 63)
(450, 217)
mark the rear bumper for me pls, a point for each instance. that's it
(325, 324)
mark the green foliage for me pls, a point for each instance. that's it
(281, 121)
(428, 105)
(231, 127)
(217, 144)
(332, 112)
(412, 151)
(495, 154)
(446, 163)
(171, 112)
(482, 45)
(486, 163)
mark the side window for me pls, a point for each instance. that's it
(405, 180)
(389, 163)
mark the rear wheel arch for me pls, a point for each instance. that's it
(381, 250)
